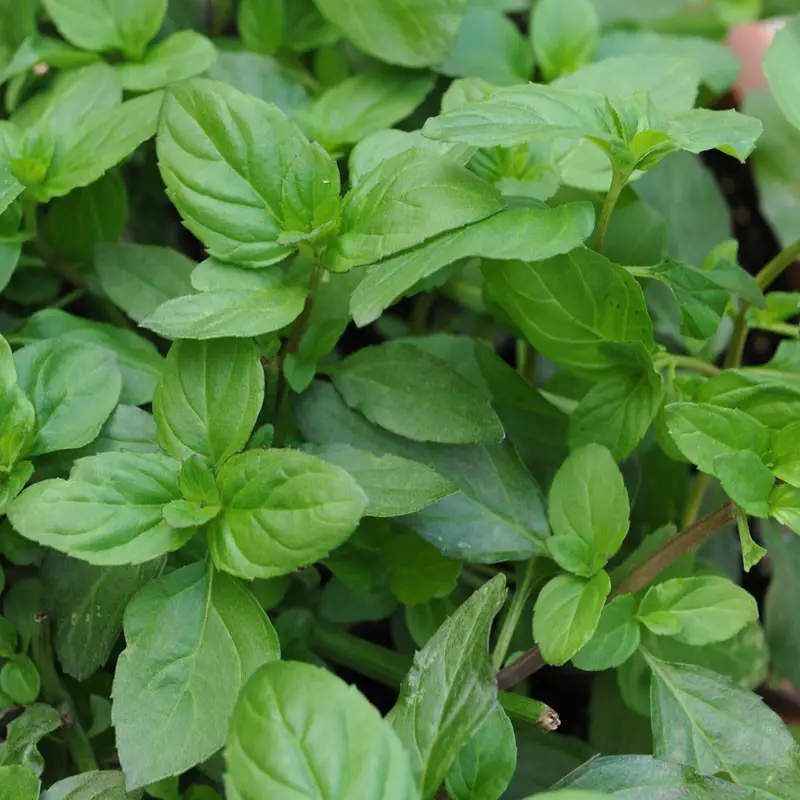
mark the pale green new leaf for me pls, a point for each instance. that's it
(183, 633)
(615, 639)
(588, 510)
(108, 512)
(209, 398)
(566, 614)
(393, 485)
(18, 783)
(698, 610)
(530, 233)
(176, 58)
(781, 63)
(24, 734)
(73, 387)
(450, 689)
(746, 480)
(570, 306)
(297, 730)
(281, 510)
(564, 35)
(17, 414)
(404, 201)
(784, 505)
(415, 395)
(412, 33)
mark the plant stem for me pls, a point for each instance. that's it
(639, 578)
(420, 313)
(390, 668)
(765, 278)
(699, 488)
(688, 362)
(518, 600)
(618, 181)
(53, 691)
(292, 345)
(68, 299)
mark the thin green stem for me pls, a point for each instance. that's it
(68, 299)
(765, 278)
(518, 600)
(618, 181)
(420, 313)
(688, 362)
(695, 503)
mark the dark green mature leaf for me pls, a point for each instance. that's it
(95, 25)
(416, 395)
(485, 765)
(450, 689)
(697, 610)
(73, 386)
(108, 512)
(139, 362)
(261, 24)
(211, 136)
(497, 515)
(531, 233)
(418, 572)
(183, 631)
(295, 729)
(588, 509)
(209, 398)
(18, 783)
(98, 785)
(569, 306)
(25, 733)
(564, 35)
(566, 615)
(406, 200)
(782, 60)
(182, 55)
(86, 604)
(139, 278)
(616, 638)
(640, 777)
(394, 485)
(415, 34)
(704, 721)
(364, 104)
(281, 510)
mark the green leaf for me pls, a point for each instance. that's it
(128, 428)
(782, 60)
(418, 572)
(281, 510)
(261, 24)
(188, 514)
(13, 482)
(176, 58)
(99, 785)
(85, 604)
(615, 639)
(404, 201)
(489, 46)
(275, 182)
(533, 233)
(645, 776)
(17, 415)
(139, 362)
(617, 411)
(785, 452)
(702, 432)
(570, 306)
(10, 187)
(564, 35)
(139, 278)
(752, 553)
(416, 34)
(184, 631)
(485, 765)
(226, 313)
(18, 783)
(394, 486)
(98, 143)
(25, 733)
(588, 510)
(107, 513)
(566, 615)
(209, 398)
(450, 690)
(364, 104)
(784, 506)
(292, 731)
(416, 395)
(19, 680)
(701, 129)
(96, 25)
(197, 481)
(73, 386)
(746, 480)
(702, 720)
(697, 610)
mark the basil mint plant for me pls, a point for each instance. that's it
(398, 400)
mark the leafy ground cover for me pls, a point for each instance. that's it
(399, 399)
